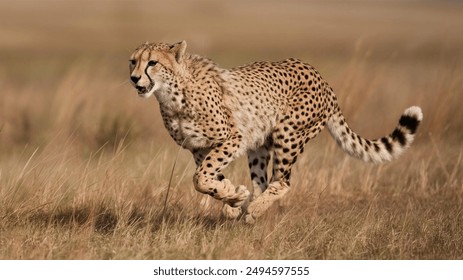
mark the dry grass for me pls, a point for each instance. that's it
(85, 164)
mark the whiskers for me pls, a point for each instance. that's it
(120, 84)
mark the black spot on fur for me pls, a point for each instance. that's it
(386, 143)
(398, 135)
(409, 122)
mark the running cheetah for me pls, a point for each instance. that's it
(265, 109)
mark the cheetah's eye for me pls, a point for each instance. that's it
(152, 63)
(133, 61)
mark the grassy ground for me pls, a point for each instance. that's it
(85, 164)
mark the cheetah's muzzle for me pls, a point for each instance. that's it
(141, 90)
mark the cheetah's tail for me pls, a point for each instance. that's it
(379, 150)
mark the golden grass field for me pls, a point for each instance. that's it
(85, 164)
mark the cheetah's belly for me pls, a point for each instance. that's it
(254, 127)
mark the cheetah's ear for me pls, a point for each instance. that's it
(179, 50)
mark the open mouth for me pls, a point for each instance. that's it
(143, 90)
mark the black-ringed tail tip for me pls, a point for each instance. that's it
(382, 149)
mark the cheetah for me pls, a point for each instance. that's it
(268, 110)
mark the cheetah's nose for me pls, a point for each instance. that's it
(135, 79)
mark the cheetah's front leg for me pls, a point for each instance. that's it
(206, 179)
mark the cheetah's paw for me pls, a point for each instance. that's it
(231, 212)
(239, 198)
(249, 219)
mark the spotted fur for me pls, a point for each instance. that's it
(268, 110)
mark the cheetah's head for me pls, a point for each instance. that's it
(153, 67)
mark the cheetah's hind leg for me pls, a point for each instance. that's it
(258, 162)
(284, 156)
